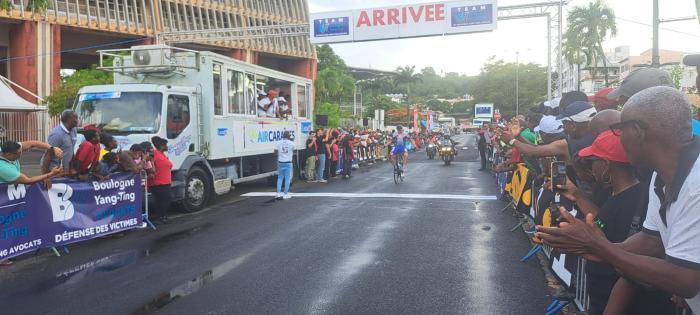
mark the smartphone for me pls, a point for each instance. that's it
(555, 212)
(558, 171)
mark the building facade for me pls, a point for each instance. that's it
(622, 64)
(34, 46)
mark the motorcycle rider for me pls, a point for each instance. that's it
(445, 141)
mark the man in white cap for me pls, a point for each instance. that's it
(548, 124)
(263, 103)
(575, 118)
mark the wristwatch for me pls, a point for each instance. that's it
(511, 142)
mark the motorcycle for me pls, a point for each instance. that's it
(431, 150)
(448, 153)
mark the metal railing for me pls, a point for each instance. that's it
(23, 126)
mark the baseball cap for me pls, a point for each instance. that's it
(601, 97)
(578, 111)
(261, 92)
(641, 79)
(554, 103)
(606, 146)
(550, 125)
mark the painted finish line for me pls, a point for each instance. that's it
(377, 195)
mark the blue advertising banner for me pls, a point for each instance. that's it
(472, 15)
(32, 217)
(337, 26)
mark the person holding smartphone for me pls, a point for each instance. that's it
(606, 164)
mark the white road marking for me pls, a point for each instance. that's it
(377, 195)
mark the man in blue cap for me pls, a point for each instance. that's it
(575, 118)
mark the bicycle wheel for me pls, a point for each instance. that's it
(396, 173)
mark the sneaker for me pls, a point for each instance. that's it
(287, 196)
(322, 181)
(279, 196)
(143, 225)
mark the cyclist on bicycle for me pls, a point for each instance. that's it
(399, 142)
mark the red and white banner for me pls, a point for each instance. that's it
(404, 21)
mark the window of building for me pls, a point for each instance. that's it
(236, 93)
(178, 115)
(218, 106)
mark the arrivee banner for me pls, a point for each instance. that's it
(32, 217)
(415, 20)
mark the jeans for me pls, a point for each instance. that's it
(311, 168)
(284, 173)
(321, 166)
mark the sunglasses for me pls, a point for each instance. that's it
(618, 127)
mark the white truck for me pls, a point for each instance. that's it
(205, 105)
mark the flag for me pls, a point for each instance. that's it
(521, 188)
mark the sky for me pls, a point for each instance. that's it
(466, 53)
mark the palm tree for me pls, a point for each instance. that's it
(576, 55)
(589, 27)
(407, 76)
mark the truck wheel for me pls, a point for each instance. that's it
(197, 190)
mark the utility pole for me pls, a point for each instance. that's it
(517, 84)
(655, 46)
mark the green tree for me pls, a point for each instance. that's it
(575, 54)
(496, 84)
(332, 111)
(37, 6)
(463, 107)
(588, 27)
(64, 96)
(333, 81)
(407, 77)
(379, 102)
(676, 76)
(5, 5)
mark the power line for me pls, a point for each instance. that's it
(661, 28)
(73, 50)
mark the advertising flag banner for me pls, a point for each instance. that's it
(33, 217)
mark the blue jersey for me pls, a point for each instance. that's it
(400, 142)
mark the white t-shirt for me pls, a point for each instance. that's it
(681, 233)
(285, 151)
(283, 105)
(272, 111)
(261, 107)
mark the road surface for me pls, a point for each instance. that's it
(360, 252)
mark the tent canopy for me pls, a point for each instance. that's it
(11, 102)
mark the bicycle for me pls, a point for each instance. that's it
(398, 169)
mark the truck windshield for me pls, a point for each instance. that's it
(121, 112)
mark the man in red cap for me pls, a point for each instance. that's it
(601, 101)
(606, 164)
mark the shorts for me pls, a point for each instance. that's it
(398, 149)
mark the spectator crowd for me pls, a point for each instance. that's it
(629, 201)
(335, 152)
